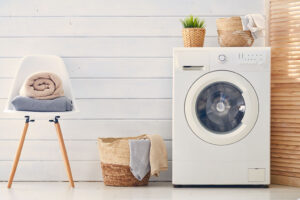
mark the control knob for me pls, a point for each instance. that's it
(222, 58)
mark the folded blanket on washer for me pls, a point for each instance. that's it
(60, 104)
(42, 85)
(139, 158)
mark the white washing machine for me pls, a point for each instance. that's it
(221, 116)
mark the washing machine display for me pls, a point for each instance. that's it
(217, 106)
(220, 107)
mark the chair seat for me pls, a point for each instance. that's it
(41, 115)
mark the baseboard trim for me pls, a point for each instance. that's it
(220, 186)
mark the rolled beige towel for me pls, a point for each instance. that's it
(42, 85)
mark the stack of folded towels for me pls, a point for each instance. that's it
(42, 92)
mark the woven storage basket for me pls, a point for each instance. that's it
(229, 24)
(115, 159)
(235, 38)
(193, 37)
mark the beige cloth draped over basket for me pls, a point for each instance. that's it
(231, 33)
(115, 160)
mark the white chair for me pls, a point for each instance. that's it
(30, 65)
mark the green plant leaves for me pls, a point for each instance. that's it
(193, 22)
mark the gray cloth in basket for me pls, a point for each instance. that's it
(139, 158)
(60, 104)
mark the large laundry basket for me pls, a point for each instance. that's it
(115, 159)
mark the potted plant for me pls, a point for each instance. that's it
(193, 31)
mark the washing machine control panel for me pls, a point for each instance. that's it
(251, 58)
(240, 58)
(246, 59)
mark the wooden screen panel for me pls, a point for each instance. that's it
(284, 38)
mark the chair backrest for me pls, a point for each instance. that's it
(40, 63)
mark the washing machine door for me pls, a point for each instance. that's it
(221, 107)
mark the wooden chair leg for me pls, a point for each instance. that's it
(18, 154)
(64, 152)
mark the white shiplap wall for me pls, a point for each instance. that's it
(119, 56)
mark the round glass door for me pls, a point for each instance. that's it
(221, 107)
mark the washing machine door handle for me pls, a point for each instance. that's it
(193, 67)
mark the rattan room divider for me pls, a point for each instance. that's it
(284, 38)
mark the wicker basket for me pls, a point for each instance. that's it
(229, 24)
(193, 37)
(120, 175)
(115, 159)
(231, 34)
(235, 38)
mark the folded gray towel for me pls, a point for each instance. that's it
(139, 158)
(61, 104)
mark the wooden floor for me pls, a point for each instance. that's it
(156, 190)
